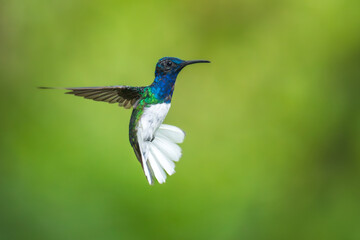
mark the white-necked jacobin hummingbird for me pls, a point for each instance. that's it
(154, 143)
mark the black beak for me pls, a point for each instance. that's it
(195, 61)
(192, 62)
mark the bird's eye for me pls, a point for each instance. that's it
(168, 63)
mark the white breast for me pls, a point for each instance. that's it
(151, 119)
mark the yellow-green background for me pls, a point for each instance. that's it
(273, 123)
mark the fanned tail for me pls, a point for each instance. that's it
(162, 152)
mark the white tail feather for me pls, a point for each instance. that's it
(161, 152)
(170, 149)
(166, 164)
(157, 169)
(173, 133)
(147, 171)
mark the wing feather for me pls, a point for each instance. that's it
(126, 96)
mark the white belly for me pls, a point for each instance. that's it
(150, 120)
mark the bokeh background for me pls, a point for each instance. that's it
(273, 123)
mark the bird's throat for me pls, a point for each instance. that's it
(163, 87)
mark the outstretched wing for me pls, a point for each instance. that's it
(126, 96)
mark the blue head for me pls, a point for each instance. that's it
(166, 72)
(170, 66)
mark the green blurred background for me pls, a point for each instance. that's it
(273, 123)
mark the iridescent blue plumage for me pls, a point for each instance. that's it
(163, 87)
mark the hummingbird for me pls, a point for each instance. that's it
(155, 144)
